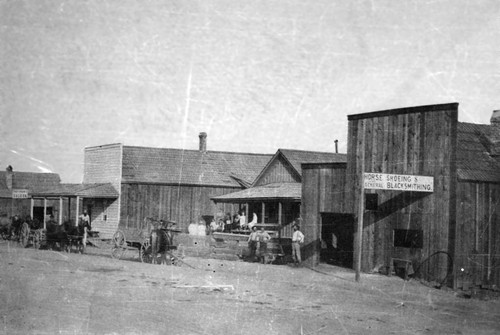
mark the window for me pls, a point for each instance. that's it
(408, 238)
(371, 201)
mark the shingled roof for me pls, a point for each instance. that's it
(474, 161)
(274, 191)
(103, 190)
(190, 167)
(31, 181)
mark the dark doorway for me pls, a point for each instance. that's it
(337, 237)
(38, 213)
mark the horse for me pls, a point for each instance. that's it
(5, 227)
(10, 227)
(76, 235)
(160, 243)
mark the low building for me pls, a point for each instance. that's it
(165, 183)
(275, 194)
(17, 189)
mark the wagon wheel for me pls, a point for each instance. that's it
(435, 269)
(5, 233)
(25, 234)
(119, 245)
(145, 252)
(39, 238)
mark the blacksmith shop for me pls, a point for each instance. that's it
(420, 194)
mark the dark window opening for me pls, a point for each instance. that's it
(371, 201)
(408, 238)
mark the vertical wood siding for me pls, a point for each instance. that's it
(323, 191)
(278, 172)
(415, 142)
(182, 204)
(477, 254)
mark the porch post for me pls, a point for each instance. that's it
(60, 210)
(32, 207)
(44, 213)
(77, 209)
(280, 209)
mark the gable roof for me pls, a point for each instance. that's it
(31, 181)
(474, 146)
(295, 158)
(190, 167)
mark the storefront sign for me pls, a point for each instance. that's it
(398, 182)
(19, 194)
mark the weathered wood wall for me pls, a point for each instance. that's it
(103, 164)
(278, 172)
(323, 191)
(477, 257)
(182, 204)
(415, 141)
(10, 207)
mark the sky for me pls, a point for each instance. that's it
(256, 75)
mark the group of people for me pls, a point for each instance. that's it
(257, 243)
(228, 223)
(257, 240)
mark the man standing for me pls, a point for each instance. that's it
(262, 245)
(253, 239)
(84, 224)
(84, 219)
(297, 241)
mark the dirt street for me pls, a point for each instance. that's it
(48, 292)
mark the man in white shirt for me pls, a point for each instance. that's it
(297, 241)
(253, 222)
(253, 239)
(243, 220)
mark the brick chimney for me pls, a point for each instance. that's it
(495, 133)
(9, 177)
(203, 142)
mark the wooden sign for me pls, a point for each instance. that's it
(19, 194)
(398, 182)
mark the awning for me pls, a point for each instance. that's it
(276, 191)
(82, 190)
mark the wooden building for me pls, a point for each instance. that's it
(275, 194)
(450, 235)
(168, 184)
(69, 200)
(17, 189)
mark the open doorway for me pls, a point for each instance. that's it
(337, 235)
(38, 213)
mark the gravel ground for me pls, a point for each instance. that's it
(48, 292)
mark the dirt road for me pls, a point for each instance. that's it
(47, 292)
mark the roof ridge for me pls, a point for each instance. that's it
(311, 151)
(33, 173)
(198, 151)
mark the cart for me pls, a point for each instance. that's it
(139, 238)
(31, 235)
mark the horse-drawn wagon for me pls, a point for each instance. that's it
(63, 237)
(154, 239)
